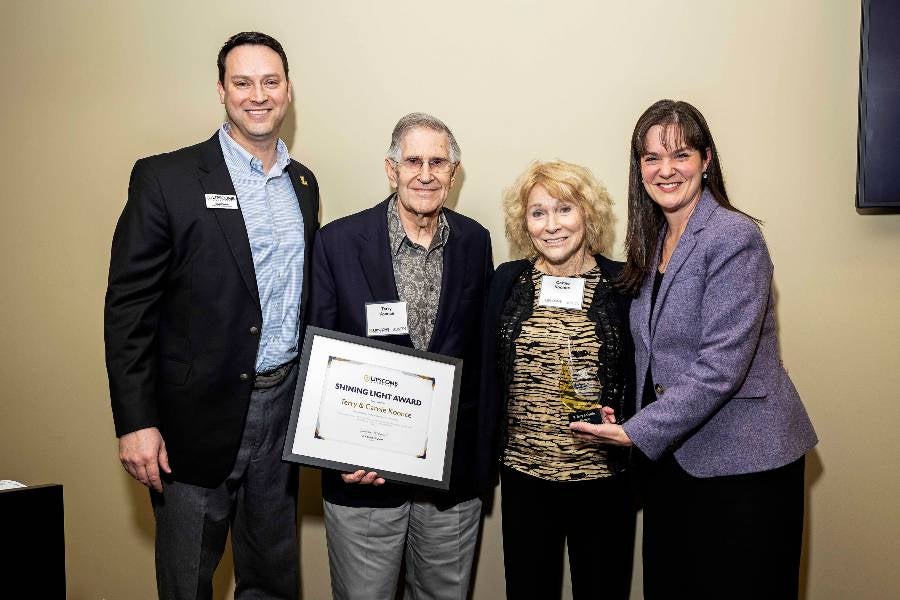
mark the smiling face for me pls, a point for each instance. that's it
(256, 94)
(672, 173)
(556, 227)
(423, 192)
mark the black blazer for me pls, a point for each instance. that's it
(351, 266)
(493, 390)
(182, 314)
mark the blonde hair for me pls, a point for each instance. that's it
(563, 181)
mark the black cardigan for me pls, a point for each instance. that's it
(493, 389)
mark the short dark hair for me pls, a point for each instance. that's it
(253, 38)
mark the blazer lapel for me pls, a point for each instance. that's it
(215, 179)
(303, 191)
(378, 266)
(451, 286)
(686, 245)
(376, 259)
(642, 304)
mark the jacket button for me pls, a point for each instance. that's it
(254, 330)
(245, 377)
(659, 388)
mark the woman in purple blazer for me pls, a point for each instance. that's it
(719, 429)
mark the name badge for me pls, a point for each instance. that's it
(221, 201)
(561, 292)
(386, 318)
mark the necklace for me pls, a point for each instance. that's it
(663, 261)
(545, 267)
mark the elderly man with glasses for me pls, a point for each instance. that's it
(408, 248)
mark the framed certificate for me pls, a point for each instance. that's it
(362, 403)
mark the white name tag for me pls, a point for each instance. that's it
(221, 201)
(561, 292)
(386, 318)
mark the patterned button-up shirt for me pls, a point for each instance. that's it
(417, 272)
(274, 224)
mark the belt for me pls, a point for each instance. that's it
(273, 377)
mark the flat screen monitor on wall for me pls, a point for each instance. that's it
(878, 144)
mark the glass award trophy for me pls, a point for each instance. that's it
(579, 388)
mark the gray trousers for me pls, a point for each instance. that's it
(366, 547)
(258, 501)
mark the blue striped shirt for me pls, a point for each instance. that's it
(275, 228)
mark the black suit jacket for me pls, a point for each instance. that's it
(182, 315)
(351, 266)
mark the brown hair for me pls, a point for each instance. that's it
(645, 218)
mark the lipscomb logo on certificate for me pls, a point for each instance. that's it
(371, 410)
(362, 403)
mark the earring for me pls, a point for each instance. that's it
(704, 174)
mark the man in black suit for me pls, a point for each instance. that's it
(208, 279)
(413, 255)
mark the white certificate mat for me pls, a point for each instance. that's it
(362, 403)
(375, 407)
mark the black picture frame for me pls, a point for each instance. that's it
(310, 388)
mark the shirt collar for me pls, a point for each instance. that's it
(237, 155)
(397, 234)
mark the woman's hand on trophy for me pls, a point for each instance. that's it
(606, 433)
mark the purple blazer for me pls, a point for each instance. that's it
(725, 405)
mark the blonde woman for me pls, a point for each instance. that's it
(557, 331)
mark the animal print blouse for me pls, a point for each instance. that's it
(562, 360)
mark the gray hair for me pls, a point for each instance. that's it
(413, 121)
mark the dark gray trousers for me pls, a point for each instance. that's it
(258, 501)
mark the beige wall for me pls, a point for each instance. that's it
(91, 86)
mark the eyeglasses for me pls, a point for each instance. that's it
(414, 164)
